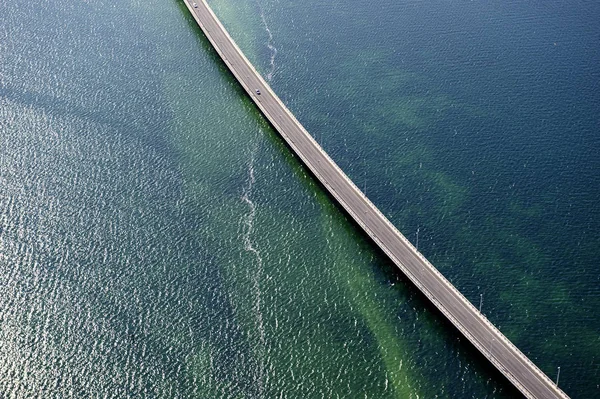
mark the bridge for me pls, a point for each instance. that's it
(504, 355)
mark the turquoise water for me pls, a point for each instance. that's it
(157, 239)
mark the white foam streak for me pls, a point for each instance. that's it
(270, 45)
(256, 274)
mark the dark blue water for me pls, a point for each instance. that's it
(157, 239)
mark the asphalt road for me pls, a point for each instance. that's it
(473, 325)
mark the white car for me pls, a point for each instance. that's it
(195, 5)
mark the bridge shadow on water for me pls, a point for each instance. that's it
(384, 270)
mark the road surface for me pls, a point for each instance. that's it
(509, 360)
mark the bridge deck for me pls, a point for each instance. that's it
(506, 357)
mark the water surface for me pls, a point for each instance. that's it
(157, 239)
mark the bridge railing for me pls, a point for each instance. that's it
(359, 218)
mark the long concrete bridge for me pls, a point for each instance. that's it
(505, 356)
